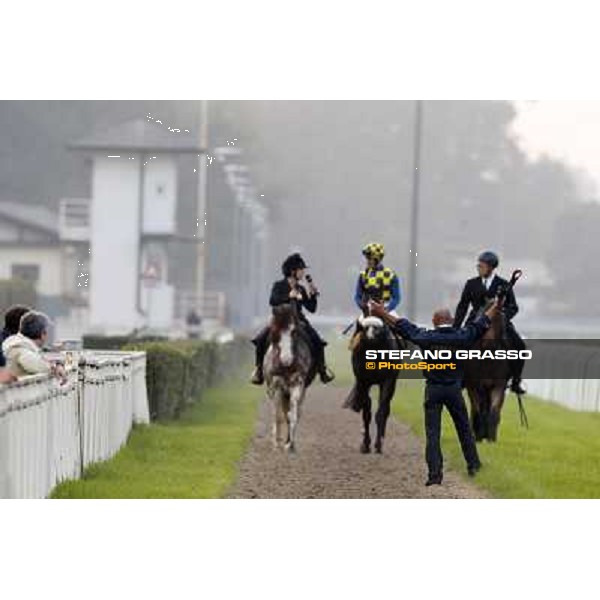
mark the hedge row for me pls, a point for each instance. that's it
(116, 342)
(177, 372)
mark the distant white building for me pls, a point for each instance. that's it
(31, 249)
(129, 221)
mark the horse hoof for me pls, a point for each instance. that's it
(378, 449)
(365, 449)
(290, 449)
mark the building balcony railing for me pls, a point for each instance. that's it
(74, 219)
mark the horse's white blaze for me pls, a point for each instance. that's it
(285, 349)
(370, 322)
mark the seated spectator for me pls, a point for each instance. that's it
(12, 320)
(23, 351)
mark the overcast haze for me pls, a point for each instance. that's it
(338, 174)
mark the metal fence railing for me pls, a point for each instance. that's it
(50, 432)
(582, 390)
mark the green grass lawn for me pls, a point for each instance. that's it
(557, 457)
(194, 457)
(197, 456)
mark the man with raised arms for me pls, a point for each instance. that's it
(443, 387)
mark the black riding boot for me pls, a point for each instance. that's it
(261, 343)
(325, 373)
(517, 370)
(516, 365)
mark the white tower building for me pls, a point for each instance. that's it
(132, 218)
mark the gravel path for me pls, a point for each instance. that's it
(329, 465)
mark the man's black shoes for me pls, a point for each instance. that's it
(434, 480)
(472, 470)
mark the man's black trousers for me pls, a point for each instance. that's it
(438, 396)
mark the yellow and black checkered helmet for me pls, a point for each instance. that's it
(374, 250)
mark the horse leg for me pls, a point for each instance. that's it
(280, 422)
(275, 395)
(386, 393)
(496, 402)
(296, 394)
(476, 420)
(365, 447)
(487, 414)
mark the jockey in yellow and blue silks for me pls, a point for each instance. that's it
(375, 275)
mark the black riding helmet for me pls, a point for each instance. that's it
(291, 263)
(489, 258)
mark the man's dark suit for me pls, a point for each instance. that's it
(280, 294)
(475, 295)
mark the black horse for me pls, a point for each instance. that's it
(373, 334)
(486, 380)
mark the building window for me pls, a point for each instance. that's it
(30, 273)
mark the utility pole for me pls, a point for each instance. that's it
(201, 206)
(414, 220)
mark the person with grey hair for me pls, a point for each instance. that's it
(23, 350)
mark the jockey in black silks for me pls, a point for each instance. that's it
(286, 290)
(477, 292)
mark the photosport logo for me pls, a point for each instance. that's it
(485, 354)
(543, 359)
(415, 362)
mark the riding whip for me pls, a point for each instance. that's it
(516, 275)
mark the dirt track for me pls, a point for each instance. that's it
(329, 465)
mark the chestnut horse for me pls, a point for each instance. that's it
(289, 367)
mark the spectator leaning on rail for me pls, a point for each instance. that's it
(23, 351)
(443, 387)
(12, 320)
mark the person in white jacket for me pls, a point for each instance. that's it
(23, 351)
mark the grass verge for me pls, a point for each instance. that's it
(195, 456)
(557, 457)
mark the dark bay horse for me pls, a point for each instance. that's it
(373, 334)
(486, 380)
(289, 369)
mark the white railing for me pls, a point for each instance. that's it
(582, 391)
(576, 394)
(50, 432)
